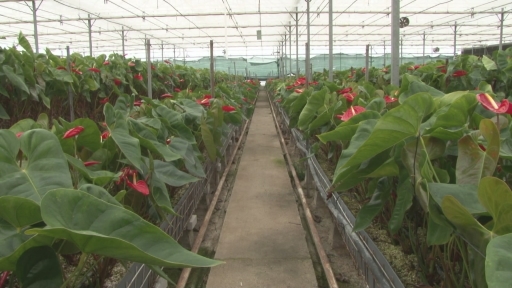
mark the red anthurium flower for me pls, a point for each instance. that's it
(76, 71)
(95, 70)
(346, 90)
(298, 91)
(290, 87)
(313, 83)
(73, 132)
(227, 108)
(137, 77)
(19, 134)
(416, 67)
(350, 96)
(131, 64)
(207, 96)
(153, 67)
(104, 100)
(61, 68)
(204, 102)
(389, 99)
(166, 95)
(489, 103)
(167, 61)
(244, 99)
(106, 63)
(351, 112)
(459, 73)
(137, 103)
(177, 90)
(140, 186)
(105, 135)
(279, 100)
(117, 82)
(90, 163)
(168, 141)
(443, 71)
(482, 147)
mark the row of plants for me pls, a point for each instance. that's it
(433, 154)
(88, 194)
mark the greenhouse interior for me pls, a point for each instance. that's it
(230, 143)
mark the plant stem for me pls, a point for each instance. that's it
(77, 271)
(3, 278)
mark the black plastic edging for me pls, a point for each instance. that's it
(369, 259)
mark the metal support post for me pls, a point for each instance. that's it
(297, 41)
(148, 62)
(307, 65)
(212, 71)
(402, 51)
(308, 72)
(367, 63)
(290, 41)
(70, 91)
(424, 37)
(331, 41)
(395, 39)
(384, 53)
(502, 18)
(34, 17)
(89, 27)
(455, 40)
(234, 68)
(122, 39)
(162, 50)
(174, 54)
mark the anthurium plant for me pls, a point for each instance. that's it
(433, 154)
(84, 192)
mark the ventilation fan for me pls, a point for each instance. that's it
(435, 50)
(404, 22)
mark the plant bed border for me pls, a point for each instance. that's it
(139, 275)
(368, 258)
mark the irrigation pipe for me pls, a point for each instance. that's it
(309, 218)
(185, 273)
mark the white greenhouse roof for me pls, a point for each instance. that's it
(189, 25)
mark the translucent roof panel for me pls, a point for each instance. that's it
(184, 28)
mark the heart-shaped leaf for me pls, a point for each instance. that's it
(498, 262)
(473, 163)
(46, 168)
(101, 228)
(19, 212)
(39, 267)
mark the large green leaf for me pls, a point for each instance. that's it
(100, 193)
(19, 212)
(411, 85)
(498, 262)
(468, 227)
(394, 127)
(175, 121)
(466, 194)
(405, 193)
(489, 64)
(148, 140)
(208, 141)
(346, 130)
(25, 44)
(104, 229)
(437, 234)
(171, 175)
(363, 133)
(190, 155)
(39, 267)
(118, 127)
(22, 125)
(496, 197)
(16, 80)
(160, 194)
(100, 178)
(315, 101)
(473, 163)
(46, 168)
(13, 242)
(371, 209)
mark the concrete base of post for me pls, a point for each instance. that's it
(335, 239)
